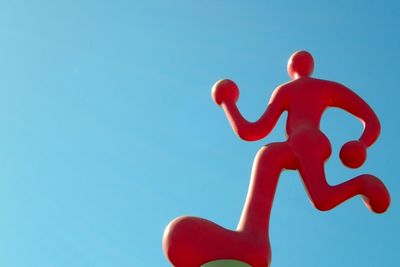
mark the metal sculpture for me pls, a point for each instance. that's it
(192, 242)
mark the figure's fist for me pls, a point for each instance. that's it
(353, 154)
(224, 90)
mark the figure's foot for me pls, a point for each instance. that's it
(192, 242)
(376, 196)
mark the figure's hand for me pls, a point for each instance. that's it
(224, 90)
(353, 154)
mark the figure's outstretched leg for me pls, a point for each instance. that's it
(191, 241)
(325, 197)
(268, 164)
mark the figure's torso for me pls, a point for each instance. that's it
(306, 102)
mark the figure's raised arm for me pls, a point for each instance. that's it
(225, 93)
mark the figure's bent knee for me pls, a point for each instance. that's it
(322, 204)
(321, 200)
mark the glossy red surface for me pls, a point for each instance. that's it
(192, 241)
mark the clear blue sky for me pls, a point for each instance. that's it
(108, 130)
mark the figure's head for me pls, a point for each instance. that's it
(300, 64)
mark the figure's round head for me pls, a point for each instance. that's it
(300, 64)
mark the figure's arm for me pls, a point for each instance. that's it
(225, 93)
(354, 153)
(342, 97)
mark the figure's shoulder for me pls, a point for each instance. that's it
(326, 83)
(282, 89)
(281, 94)
(285, 87)
(306, 83)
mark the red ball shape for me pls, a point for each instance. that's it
(224, 90)
(353, 154)
(301, 63)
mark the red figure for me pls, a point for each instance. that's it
(191, 241)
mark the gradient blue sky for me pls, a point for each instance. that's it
(108, 130)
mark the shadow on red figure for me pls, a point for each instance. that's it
(192, 241)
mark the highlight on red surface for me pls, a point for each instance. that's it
(192, 241)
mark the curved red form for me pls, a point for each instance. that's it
(192, 241)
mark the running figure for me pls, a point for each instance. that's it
(192, 241)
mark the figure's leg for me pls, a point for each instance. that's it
(325, 197)
(191, 241)
(268, 164)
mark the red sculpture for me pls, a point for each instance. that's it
(192, 241)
